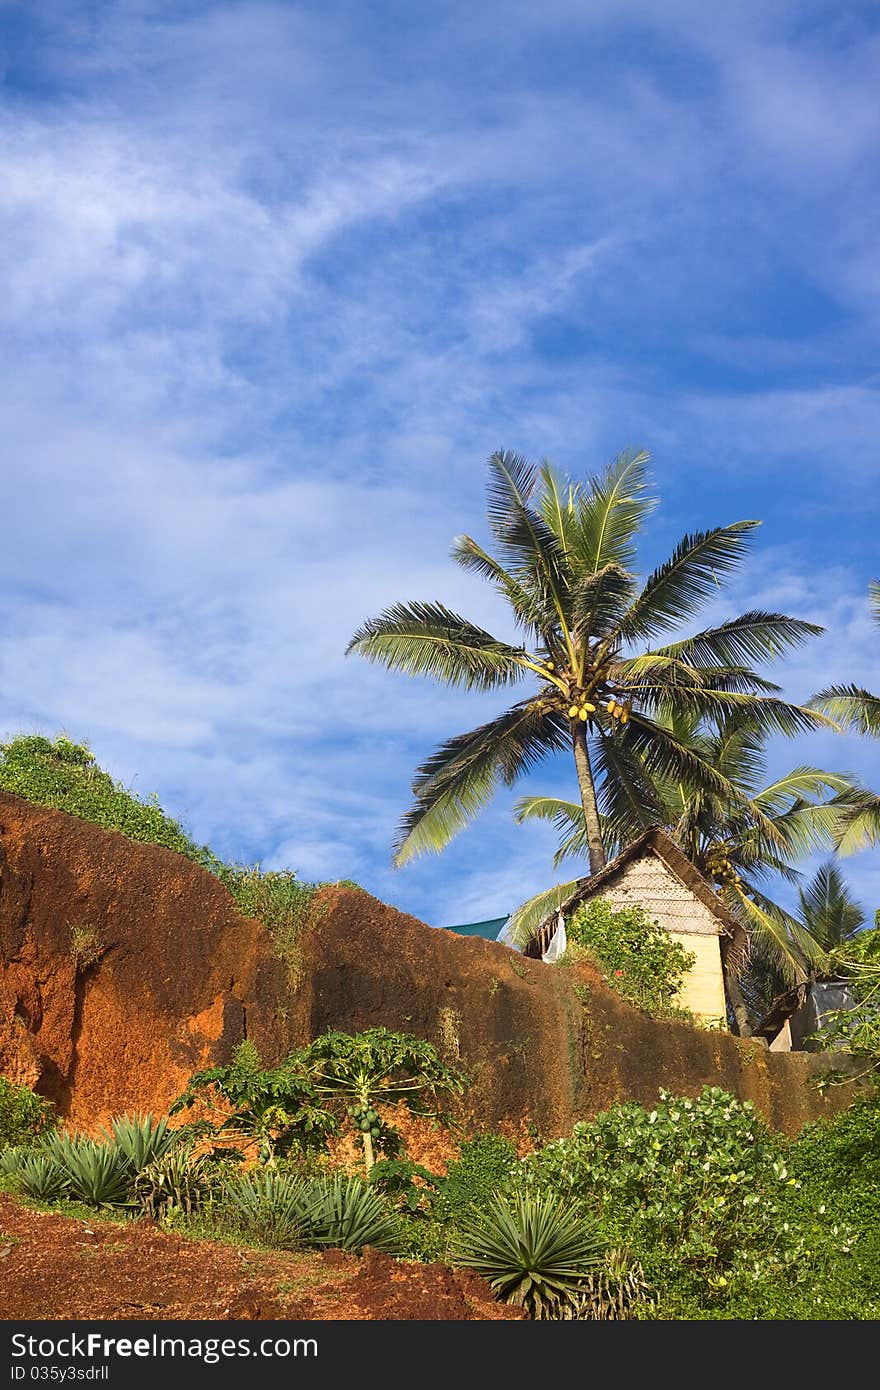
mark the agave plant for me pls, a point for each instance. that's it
(346, 1215)
(176, 1180)
(272, 1206)
(97, 1174)
(39, 1177)
(141, 1138)
(10, 1160)
(536, 1251)
(612, 1293)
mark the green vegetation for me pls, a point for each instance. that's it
(564, 567)
(65, 776)
(484, 1166)
(638, 957)
(339, 1079)
(535, 1250)
(277, 1108)
(690, 1210)
(713, 1206)
(24, 1116)
(377, 1068)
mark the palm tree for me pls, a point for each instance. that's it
(827, 920)
(728, 842)
(858, 711)
(564, 570)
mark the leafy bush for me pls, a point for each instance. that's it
(395, 1178)
(141, 1138)
(345, 1214)
(378, 1067)
(483, 1167)
(24, 1116)
(638, 958)
(279, 1108)
(535, 1250)
(705, 1197)
(65, 775)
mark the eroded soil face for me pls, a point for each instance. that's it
(56, 1267)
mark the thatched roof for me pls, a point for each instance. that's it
(654, 841)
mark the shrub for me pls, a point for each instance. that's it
(24, 1116)
(174, 1182)
(706, 1198)
(535, 1250)
(279, 1108)
(345, 1214)
(484, 1166)
(394, 1179)
(638, 958)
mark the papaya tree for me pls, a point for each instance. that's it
(369, 1071)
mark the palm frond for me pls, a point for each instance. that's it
(874, 597)
(462, 775)
(689, 577)
(597, 601)
(608, 516)
(527, 608)
(755, 636)
(856, 709)
(780, 937)
(629, 800)
(858, 820)
(828, 912)
(768, 713)
(534, 912)
(428, 639)
(566, 816)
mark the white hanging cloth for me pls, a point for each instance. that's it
(558, 942)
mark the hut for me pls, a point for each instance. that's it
(655, 874)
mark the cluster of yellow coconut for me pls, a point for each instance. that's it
(723, 872)
(582, 706)
(619, 711)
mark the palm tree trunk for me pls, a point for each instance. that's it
(588, 798)
(735, 996)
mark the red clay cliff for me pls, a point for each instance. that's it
(125, 967)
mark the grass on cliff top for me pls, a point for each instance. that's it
(64, 775)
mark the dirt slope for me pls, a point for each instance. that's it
(181, 977)
(57, 1267)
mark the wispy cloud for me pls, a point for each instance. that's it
(279, 277)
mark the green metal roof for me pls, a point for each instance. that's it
(488, 930)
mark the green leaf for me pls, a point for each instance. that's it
(462, 776)
(428, 639)
(856, 709)
(691, 576)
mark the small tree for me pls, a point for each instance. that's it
(370, 1070)
(278, 1107)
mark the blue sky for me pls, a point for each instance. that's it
(279, 277)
